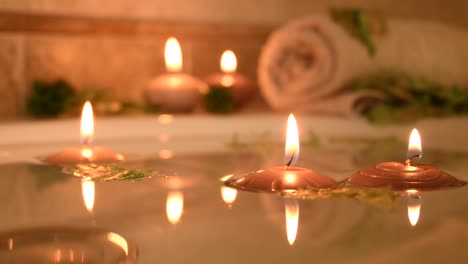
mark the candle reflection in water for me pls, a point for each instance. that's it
(88, 190)
(119, 241)
(414, 206)
(292, 218)
(174, 206)
(229, 195)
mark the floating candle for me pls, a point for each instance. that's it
(86, 153)
(174, 91)
(242, 87)
(283, 178)
(405, 176)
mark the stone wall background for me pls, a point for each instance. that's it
(86, 43)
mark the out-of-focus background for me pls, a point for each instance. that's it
(117, 46)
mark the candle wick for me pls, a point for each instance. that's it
(410, 159)
(289, 162)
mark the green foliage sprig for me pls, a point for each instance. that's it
(407, 98)
(109, 172)
(364, 25)
(49, 99)
(219, 99)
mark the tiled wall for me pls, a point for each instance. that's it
(118, 44)
(121, 56)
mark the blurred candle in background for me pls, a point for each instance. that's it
(174, 91)
(240, 86)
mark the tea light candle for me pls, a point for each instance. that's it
(242, 87)
(174, 91)
(86, 153)
(283, 178)
(405, 176)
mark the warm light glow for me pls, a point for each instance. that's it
(173, 55)
(119, 241)
(174, 206)
(292, 141)
(229, 194)
(226, 177)
(87, 153)
(58, 256)
(88, 190)
(228, 62)
(166, 154)
(414, 208)
(10, 244)
(166, 118)
(227, 80)
(292, 219)
(414, 145)
(87, 124)
(290, 178)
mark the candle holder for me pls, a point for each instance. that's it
(406, 176)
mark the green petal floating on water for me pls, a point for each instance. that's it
(109, 172)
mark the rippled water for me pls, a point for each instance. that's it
(183, 218)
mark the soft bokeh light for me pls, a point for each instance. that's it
(229, 194)
(228, 62)
(119, 241)
(174, 206)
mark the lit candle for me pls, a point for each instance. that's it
(174, 91)
(284, 178)
(85, 153)
(241, 86)
(405, 176)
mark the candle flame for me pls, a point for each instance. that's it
(414, 145)
(228, 62)
(229, 194)
(88, 190)
(292, 219)
(87, 124)
(414, 208)
(292, 142)
(119, 241)
(173, 55)
(174, 206)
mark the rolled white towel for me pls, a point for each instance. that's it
(306, 63)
